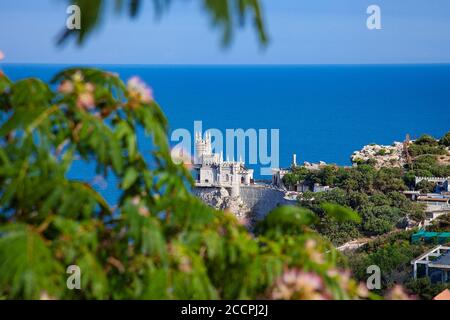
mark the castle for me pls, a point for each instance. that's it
(210, 170)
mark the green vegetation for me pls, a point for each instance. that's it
(445, 140)
(426, 145)
(441, 224)
(159, 242)
(426, 166)
(392, 253)
(424, 289)
(425, 186)
(374, 194)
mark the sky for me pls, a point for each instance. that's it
(300, 31)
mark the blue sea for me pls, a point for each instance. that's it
(322, 112)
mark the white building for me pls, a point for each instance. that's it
(212, 171)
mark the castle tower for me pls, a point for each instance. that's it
(200, 148)
(208, 147)
(236, 181)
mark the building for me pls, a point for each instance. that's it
(278, 174)
(444, 295)
(319, 188)
(436, 206)
(436, 263)
(442, 183)
(277, 177)
(412, 195)
(445, 187)
(210, 170)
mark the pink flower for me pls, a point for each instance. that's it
(143, 211)
(314, 254)
(297, 284)
(362, 290)
(2, 55)
(89, 87)
(86, 100)
(398, 293)
(139, 90)
(66, 87)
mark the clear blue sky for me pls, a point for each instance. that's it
(301, 32)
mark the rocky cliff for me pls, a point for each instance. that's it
(384, 156)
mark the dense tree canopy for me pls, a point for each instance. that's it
(376, 194)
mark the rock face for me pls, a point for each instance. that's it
(384, 156)
(221, 199)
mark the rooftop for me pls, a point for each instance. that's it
(433, 198)
(444, 295)
(442, 261)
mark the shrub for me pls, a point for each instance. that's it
(159, 242)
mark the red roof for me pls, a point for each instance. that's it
(444, 295)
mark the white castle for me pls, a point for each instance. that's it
(212, 171)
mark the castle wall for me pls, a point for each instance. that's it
(431, 179)
(259, 199)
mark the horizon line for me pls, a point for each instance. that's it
(222, 65)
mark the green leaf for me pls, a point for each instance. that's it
(27, 267)
(340, 213)
(129, 178)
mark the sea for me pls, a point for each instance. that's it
(322, 112)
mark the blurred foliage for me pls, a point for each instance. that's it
(159, 242)
(227, 15)
(423, 288)
(392, 253)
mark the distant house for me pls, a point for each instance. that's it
(436, 206)
(446, 185)
(320, 188)
(436, 263)
(301, 186)
(444, 295)
(433, 199)
(442, 184)
(411, 194)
